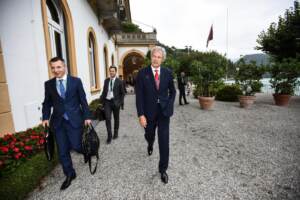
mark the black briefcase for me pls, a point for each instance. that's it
(99, 113)
(49, 143)
(90, 146)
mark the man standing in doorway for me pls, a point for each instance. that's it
(65, 94)
(155, 95)
(113, 98)
(182, 82)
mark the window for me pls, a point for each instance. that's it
(93, 61)
(56, 28)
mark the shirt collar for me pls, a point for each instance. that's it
(64, 78)
(114, 78)
(153, 69)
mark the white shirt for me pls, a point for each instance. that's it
(110, 92)
(153, 70)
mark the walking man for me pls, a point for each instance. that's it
(113, 98)
(155, 95)
(65, 94)
(182, 82)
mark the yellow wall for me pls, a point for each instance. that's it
(6, 120)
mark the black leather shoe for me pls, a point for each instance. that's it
(108, 141)
(187, 103)
(67, 182)
(115, 136)
(150, 149)
(164, 177)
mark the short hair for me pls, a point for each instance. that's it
(56, 58)
(161, 49)
(113, 67)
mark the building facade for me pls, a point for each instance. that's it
(86, 33)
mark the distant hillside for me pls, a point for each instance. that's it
(259, 58)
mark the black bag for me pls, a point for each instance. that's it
(49, 143)
(90, 146)
(99, 113)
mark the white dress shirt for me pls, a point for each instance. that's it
(110, 92)
(153, 70)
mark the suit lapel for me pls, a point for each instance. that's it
(161, 77)
(68, 85)
(53, 85)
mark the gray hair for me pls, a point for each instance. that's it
(161, 49)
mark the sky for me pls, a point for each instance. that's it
(183, 23)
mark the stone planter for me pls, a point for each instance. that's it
(246, 101)
(282, 99)
(206, 102)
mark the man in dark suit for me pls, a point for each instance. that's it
(155, 95)
(113, 98)
(65, 94)
(181, 80)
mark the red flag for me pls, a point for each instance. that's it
(210, 36)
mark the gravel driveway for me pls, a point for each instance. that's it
(224, 153)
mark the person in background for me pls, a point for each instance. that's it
(112, 98)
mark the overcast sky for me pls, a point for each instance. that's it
(187, 22)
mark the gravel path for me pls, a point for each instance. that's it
(224, 153)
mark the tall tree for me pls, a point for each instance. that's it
(282, 40)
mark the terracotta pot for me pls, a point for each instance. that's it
(246, 101)
(281, 99)
(206, 102)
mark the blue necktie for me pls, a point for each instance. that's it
(62, 89)
(63, 95)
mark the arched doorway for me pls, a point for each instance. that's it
(132, 62)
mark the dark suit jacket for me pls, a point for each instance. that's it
(181, 83)
(118, 90)
(147, 95)
(74, 105)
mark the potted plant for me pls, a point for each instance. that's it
(206, 77)
(248, 77)
(284, 79)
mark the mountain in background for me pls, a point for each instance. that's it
(259, 58)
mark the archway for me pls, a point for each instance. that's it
(132, 62)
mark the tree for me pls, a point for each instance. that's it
(282, 40)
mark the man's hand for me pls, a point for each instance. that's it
(45, 123)
(87, 122)
(143, 121)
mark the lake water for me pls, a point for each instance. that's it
(267, 86)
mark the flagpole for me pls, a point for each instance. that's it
(226, 43)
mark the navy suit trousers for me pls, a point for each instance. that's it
(161, 123)
(68, 138)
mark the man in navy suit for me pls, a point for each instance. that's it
(65, 94)
(155, 95)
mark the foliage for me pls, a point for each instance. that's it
(129, 27)
(229, 93)
(285, 76)
(282, 40)
(26, 177)
(17, 148)
(206, 76)
(248, 77)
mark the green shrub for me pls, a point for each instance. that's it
(26, 177)
(229, 93)
(94, 104)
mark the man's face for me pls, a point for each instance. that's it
(156, 58)
(112, 72)
(58, 69)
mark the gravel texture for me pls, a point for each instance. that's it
(223, 153)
